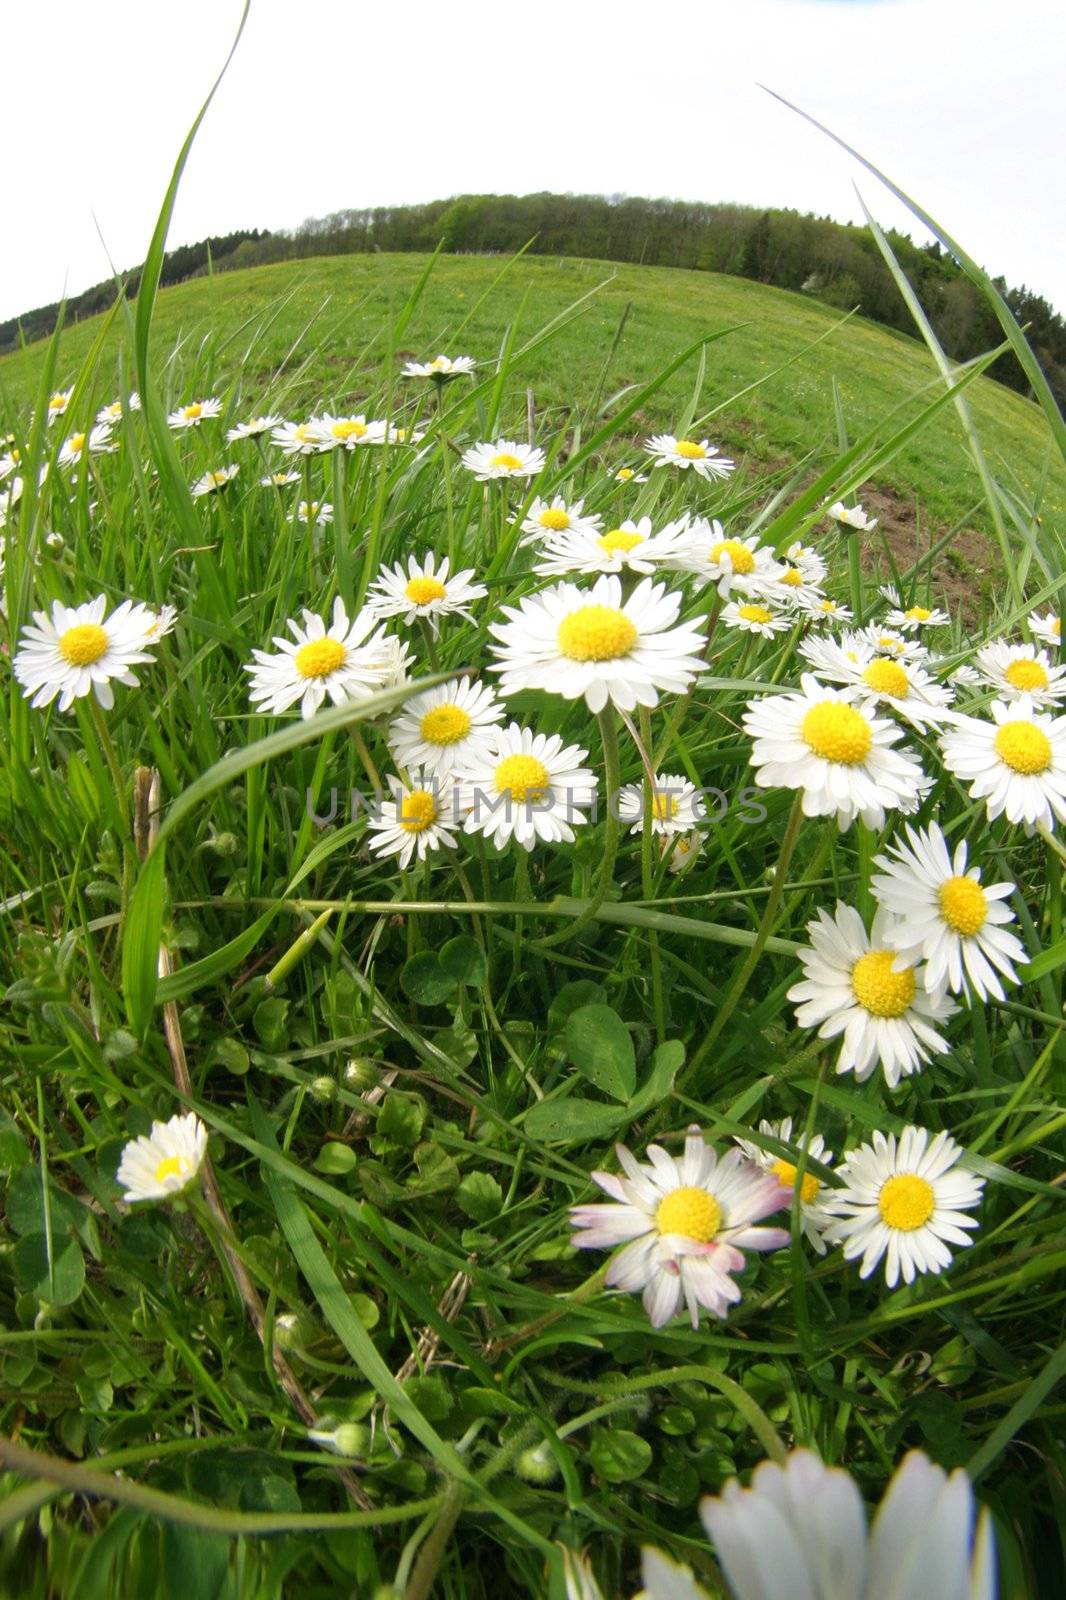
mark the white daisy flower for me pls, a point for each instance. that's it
(631, 547)
(890, 642)
(544, 521)
(161, 1165)
(320, 512)
(9, 462)
(858, 985)
(348, 433)
(810, 563)
(732, 564)
(1016, 763)
(702, 457)
(800, 1530)
(401, 436)
(424, 590)
(826, 610)
(811, 1219)
(78, 650)
(343, 661)
(676, 805)
(837, 752)
(504, 459)
(685, 1223)
(441, 369)
(113, 413)
(681, 850)
(662, 1579)
(570, 641)
(212, 481)
(851, 516)
(1048, 629)
(10, 499)
(947, 917)
(526, 786)
(915, 618)
(902, 1202)
(792, 585)
(279, 480)
(157, 624)
(415, 819)
(445, 728)
(96, 442)
(252, 429)
(965, 677)
(58, 403)
(296, 438)
(1016, 669)
(904, 687)
(194, 413)
(629, 475)
(756, 616)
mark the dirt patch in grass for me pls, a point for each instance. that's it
(959, 575)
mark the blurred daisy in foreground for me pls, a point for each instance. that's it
(211, 481)
(811, 1220)
(253, 429)
(631, 547)
(662, 1579)
(857, 985)
(345, 433)
(194, 413)
(295, 438)
(504, 459)
(58, 403)
(676, 805)
(946, 916)
(902, 686)
(570, 641)
(837, 752)
(162, 1164)
(742, 564)
(915, 618)
(548, 521)
(800, 1531)
(340, 662)
(279, 480)
(440, 369)
(851, 517)
(415, 818)
(1016, 669)
(319, 512)
(526, 786)
(424, 590)
(902, 1203)
(756, 616)
(701, 456)
(113, 413)
(685, 1223)
(445, 728)
(629, 475)
(96, 442)
(1016, 763)
(78, 650)
(1048, 628)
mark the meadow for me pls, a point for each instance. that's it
(347, 1319)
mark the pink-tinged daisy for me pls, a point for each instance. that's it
(812, 1221)
(701, 456)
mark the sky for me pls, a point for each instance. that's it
(330, 105)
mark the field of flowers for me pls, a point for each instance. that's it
(533, 980)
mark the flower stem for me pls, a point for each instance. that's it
(111, 757)
(647, 875)
(612, 773)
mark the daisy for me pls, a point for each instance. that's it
(319, 512)
(415, 819)
(444, 728)
(702, 457)
(58, 403)
(1016, 763)
(253, 429)
(837, 752)
(902, 1201)
(296, 438)
(333, 433)
(192, 415)
(755, 616)
(916, 617)
(858, 985)
(504, 459)
(811, 1219)
(80, 649)
(825, 610)
(96, 442)
(685, 1223)
(632, 547)
(742, 564)
(662, 1579)
(792, 585)
(890, 642)
(424, 590)
(342, 662)
(902, 686)
(10, 499)
(1048, 629)
(851, 517)
(629, 475)
(161, 1165)
(676, 805)
(113, 413)
(965, 677)
(570, 641)
(1016, 669)
(527, 786)
(441, 369)
(947, 917)
(279, 480)
(157, 624)
(810, 563)
(214, 480)
(681, 850)
(800, 1530)
(9, 462)
(544, 521)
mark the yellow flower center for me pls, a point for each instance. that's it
(596, 633)
(218, 478)
(887, 642)
(906, 1202)
(619, 539)
(690, 1212)
(755, 613)
(1023, 748)
(57, 402)
(1056, 625)
(302, 434)
(77, 441)
(319, 657)
(170, 1167)
(887, 677)
(963, 905)
(690, 450)
(439, 364)
(837, 732)
(792, 576)
(445, 725)
(190, 413)
(420, 591)
(505, 459)
(785, 1173)
(349, 429)
(880, 990)
(828, 606)
(523, 778)
(624, 474)
(1026, 674)
(918, 614)
(555, 518)
(418, 811)
(663, 806)
(740, 557)
(83, 644)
